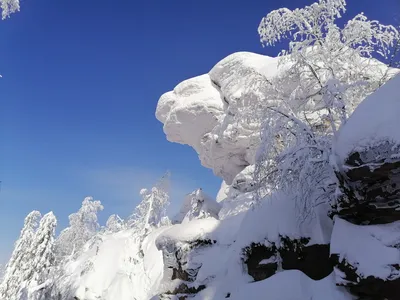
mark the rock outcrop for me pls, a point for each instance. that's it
(365, 244)
(216, 113)
(264, 259)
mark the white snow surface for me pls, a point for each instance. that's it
(207, 112)
(194, 230)
(106, 270)
(376, 120)
(370, 248)
(287, 285)
(197, 205)
(223, 192)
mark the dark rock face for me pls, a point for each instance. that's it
(312, 260)
(177, 267)
(256, 253)
(370, 287)
(370, 185)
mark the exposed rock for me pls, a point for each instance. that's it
(367, 259)
(264, 260)
(313, 260)
(367, 152)
(180, 269)
(185, 289)
(370, 185)
(261, 261)
(369, 287)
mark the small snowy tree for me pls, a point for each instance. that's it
(20, 258)
(114, 223)
(82, 226)
(151, 212)
(38, 278)
(325, 73)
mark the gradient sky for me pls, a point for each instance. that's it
(81, 81)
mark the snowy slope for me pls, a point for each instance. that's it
(109, 269)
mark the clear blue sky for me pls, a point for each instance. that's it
(81, 80)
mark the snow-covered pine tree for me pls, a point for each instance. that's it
(20, 258)
(82, 226)
(38, 278)
(152, 210)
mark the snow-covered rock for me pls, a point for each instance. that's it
(368, 159)
(197, 205)
(288, 285)
(375, 121)
(215, 113)
(367, 258)
(223, 192)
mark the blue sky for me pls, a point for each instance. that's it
(80, 85)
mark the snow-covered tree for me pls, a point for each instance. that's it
(82, 226)
(20, 260)
(38, 278)
(8, 7)
(152, 210)
(114, 223)
(327, 71)
(332, 67)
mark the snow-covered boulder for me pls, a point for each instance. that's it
(279, 241)
(215, 113)
(368, 159)
(367, 259)
(187, 250)
(197, 205)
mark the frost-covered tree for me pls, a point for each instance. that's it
(38, 278)
(8, 7)
(82, 226)
(326, 71)
(114, 223)
(152, 210)
(332, 67)
(20, 258)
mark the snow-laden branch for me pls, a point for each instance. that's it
(9, 7)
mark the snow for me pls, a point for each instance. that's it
(191, 231)
(239, 195)
(112, 274)
(373, 122)
(223, 192)
(278, 216)
(197, 205)
(208, 112)
(370, 248)
(287, 285)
